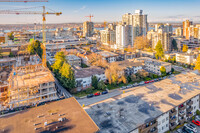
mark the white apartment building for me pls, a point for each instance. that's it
(179, 32)
(108, 37)
(155, 108)
(124, 36)
(138, 21)
(84, 76)
(165, 37)
(184, 58)
(154, 66)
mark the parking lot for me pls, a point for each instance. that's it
(180, 129)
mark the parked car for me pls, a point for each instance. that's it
(136, 84)
(191, 127)
(104, 92)
(151, 81)
(146, 82)
(123, 87)
(197, 117)
(141, 83)
(187, 130)
(90, 95)
(129, 86)
(196, 122)
(156, 80)
(97, 94)
(160, 78)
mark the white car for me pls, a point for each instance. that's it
(191, 127)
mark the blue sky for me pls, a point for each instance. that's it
(106, 10)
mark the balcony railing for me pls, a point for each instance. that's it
(189, 109)
(172, 120)
(146, 129)
(182, 107)
(190, 114)
(172, 126)
(172, 113)
(190, 103)
(181, 121)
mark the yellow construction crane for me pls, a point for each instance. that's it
(105, 24)
(43, 13)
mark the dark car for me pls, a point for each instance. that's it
(90, 95)
(160, 78)
(104, 92)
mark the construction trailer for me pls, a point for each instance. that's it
(30, 85)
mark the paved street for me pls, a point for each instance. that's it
(95, 99)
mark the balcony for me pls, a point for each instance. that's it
(189, 114)
(181, 113)
(153, 130)
(181, 121)
(181, 107)
(172, 113)
(189, 103)
(172, 126)
(148, 127)
(171, 120)
(189, 109)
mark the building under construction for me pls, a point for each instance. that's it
(29, 85)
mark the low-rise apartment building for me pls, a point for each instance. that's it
(184, 58)
(108, 56)
(153, 66)
(129, 67)
(73, 60)
(154, 108)
(84, 76)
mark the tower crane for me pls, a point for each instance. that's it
(91, 16)
(25, 1)
(43, 13)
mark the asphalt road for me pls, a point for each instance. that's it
(95, 99)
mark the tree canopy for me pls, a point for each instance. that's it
(35, 47)
(159, 50)
(174, 45)
(141, 42)
(163, 70)
(185, 48)
(197, 65)
(94, 82)
(59, 60)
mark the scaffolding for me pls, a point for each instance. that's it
(30, 85)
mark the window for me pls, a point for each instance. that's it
(166, 125)
(167, 118)
(163, 120)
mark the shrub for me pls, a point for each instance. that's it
(198, 112)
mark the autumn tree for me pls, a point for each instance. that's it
(159, 50)
(163, 70)
(141, 42)
(185, 48)
(197, 65)
(115, 74)
(59, 60)
(96, 60)
(11, 36)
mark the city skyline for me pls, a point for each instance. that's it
(75, 11)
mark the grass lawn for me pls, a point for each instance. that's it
(84, 93)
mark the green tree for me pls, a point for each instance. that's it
(94, 82)
(101, 85)
(30, 49)
(37, 47)
(197, 65)
(174, 59)
(174, 45)
(59, 60)
(163, 70)
(185, 48)
(159, 50)
(11, 54)
(11, 36)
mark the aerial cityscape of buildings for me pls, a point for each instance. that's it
(128, 76)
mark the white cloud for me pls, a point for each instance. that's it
(82, 8)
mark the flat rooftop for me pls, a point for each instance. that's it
(87, 72)
(142, 104)
(128, 63)
(107, 54)
(77, 120)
